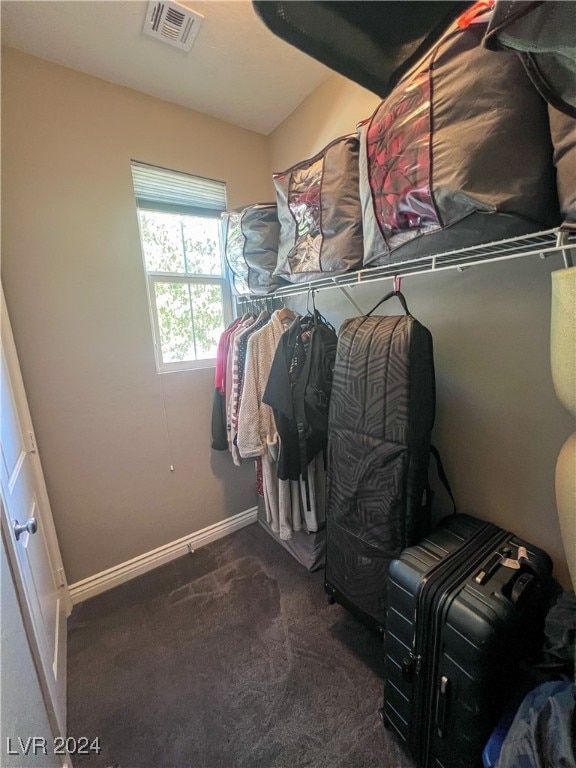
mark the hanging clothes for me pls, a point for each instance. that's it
(245, 323)
(313, 495)
(238, 368)
(222, 354)
(219, 419)
(281, 500)
(298, 391)
(257, 433)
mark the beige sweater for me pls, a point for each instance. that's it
(257, 433)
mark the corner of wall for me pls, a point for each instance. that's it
(332, 110)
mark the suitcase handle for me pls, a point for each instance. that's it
(389, 296)
(442, 706)
(522, 589)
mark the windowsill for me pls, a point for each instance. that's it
(198, 365)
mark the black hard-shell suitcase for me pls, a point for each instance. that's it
(380, 420)
(466, 607)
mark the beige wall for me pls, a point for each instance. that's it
(499, 425)
(332, 110)
(108, 426)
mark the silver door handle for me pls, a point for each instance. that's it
(30, 525)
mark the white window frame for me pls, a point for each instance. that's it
(177, 277)
(152, 278)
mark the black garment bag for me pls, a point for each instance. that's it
(381, 416)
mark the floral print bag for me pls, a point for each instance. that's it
(458, 154)
(250, 241)
(319, 212)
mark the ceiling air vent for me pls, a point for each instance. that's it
(172, 23)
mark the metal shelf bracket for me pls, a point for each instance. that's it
(544, 244)
(351, 299)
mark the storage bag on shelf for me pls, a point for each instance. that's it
(250, 237)
(320, 215)
(458, 154)
(541, 34)
(563, 130)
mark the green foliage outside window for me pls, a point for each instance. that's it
(189, 307)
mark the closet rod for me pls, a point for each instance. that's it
(544, 244)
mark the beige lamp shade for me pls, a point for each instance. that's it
(563, 337)
(563, 364)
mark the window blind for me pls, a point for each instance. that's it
(159, 189)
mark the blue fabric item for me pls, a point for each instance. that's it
(491, 751)
(542, 733)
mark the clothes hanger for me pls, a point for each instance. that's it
(284, 313)
(264, 311)
(314, 313)
(310, 293)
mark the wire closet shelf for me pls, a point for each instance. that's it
(543, 244)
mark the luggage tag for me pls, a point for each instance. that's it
(519, 587)
(516, 564)
(501, 559)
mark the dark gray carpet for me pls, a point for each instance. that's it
(228, 658)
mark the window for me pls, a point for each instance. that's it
(189, 295)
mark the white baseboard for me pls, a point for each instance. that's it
(112, 577)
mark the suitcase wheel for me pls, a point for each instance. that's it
(331, 599)
(385, 721)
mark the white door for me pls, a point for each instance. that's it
(33, 548)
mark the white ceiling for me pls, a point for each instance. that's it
(237, 70)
